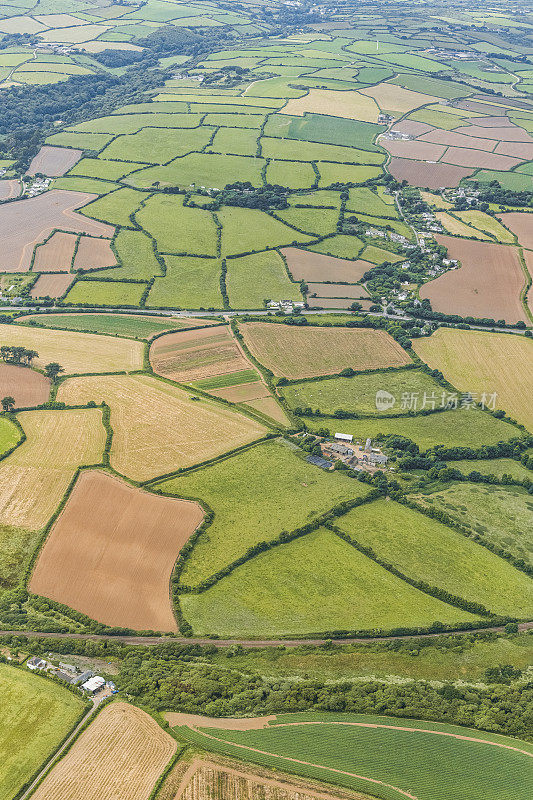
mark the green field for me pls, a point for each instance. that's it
(35, 715)
(81, 141)
(255, 496)
(252, 279)
(102, 169)
(514, 181)
(130, 326)
(365, 201)
(431, 766)
(449, 428)
(293, 149)
(135, 251)
(424, 549)
(115, 208)
(223, 381)
(202, 169)
(340, 246)
(245, 230)
(358, 394)
(241, 142)
(319, 221)
(501, 515)
(17, 546)
(313, 584)
(345, 173)
(157, 145)
(9, 435)
(493, 466)
(106, 293)
(176, 228)
(80, 184)
(189, 283)
(294, 174)
(325, 129)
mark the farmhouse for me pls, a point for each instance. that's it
(36, 663)
(93, 685)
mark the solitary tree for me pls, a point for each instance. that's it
(52, 370)
(8, 403)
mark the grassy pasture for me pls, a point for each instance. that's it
(339, 246)
(255, 495)
(202, 169)
(514, 181)
(132, 326)
(105, 293)
(493, 466)
(80, 184)
(245, 230)
(319, 221)
(35, 715)
(487, 224)
(294, 174)
(293, 149)
(241, 142)
(481, 362)
(136, 256)
(9, 435)
(364, 200)
(189, 283)
(116, 207)
(358, 394)
(176, 228)
(81, 141)
(252, 279)
(325, 129)
(427, 550)
(502, 515)
(294, 352)
(360, 758)
(157, 145)
(338, 173)
(131, 123)
(102, 169)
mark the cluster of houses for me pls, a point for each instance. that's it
(85, 680)
(356, 456)
(287, 306)
(36, 187)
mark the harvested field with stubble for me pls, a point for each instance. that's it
(28, 222)
(56, 254)
(194, 355)
(158, 428)
(520, 224)
(350, 105)
(292, 352)
(94, 253)
(35, 476)
(111, 552)
(304, 265)
(76, 352)
(51, 285)
(488, 284)
(54, 161)
(121, 754)
(476, 361)
(28, 387)
(422, 173)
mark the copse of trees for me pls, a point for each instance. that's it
(14, 354)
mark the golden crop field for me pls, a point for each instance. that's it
(120, 755)
(76, 352)
(157, 427)
(475, 361)
(35, 476)
(305, 352)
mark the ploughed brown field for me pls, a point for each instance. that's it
(51, 285)
(26, 223)
(9, 189)
(192, 355)
(120, 755)
(54, 161)
(488, 284)
(28, 387)
(293, 352)
(336, 302)
(420, 173)
(56, 254)
(305, 265)
(336, 290)
(93, 253)
(521, 224)
(413, 148)
(111, 552)
(464, 157)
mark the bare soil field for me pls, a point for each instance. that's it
(9, 189)
(28, 387)
(476, 361)
(192, 355)
(395, 98)
(411, 127)
(307, 266)
(175, 718)
(54, 161)
(51, 285)
(304, 353)
(56, 254)
(111, 552)
(336, 290)
(93, 253)
(520, 150)
(521, 224)
(335, 302)
(28, 222)
(158, 428)
(413, 149)
(499, 131)
(350, 105)
(120, 755)
(418, 173)
(488, 284)
(76, 352)
(453, 139)
(464, 157)
(34, 478)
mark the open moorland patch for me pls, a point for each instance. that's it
(111, 552)
(56, 254)
(76, 352)
(500, 515)
(135, 326)
(315, 583)
(27, 386)
(485, 363)
(29, 222)
(159, 428)
(305, 265)
(129, 749)
(255, 495)
(386, 757)
(35, 715)
(54, 161)
(34, 478)
(303, 353)
(488, 284)
(194, 355)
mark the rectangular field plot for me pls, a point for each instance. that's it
(350, 105)
(105, 293)
(116, 207)
(245, 230)
(76, 352)
(202, 169)
(303, 353)
(56, 254)
(157, 145)
(255, 496)
(325, 129)
(131, 751)
(178, 229)
(251, 280)
(480, 362)
(35, 716)
(305, 265)
(134, 326)
(294, 150)
(111, 552)
(189, 283)
(54, 161)
(315, 583)
(51, 285)
(35, 476)
(157, 427)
